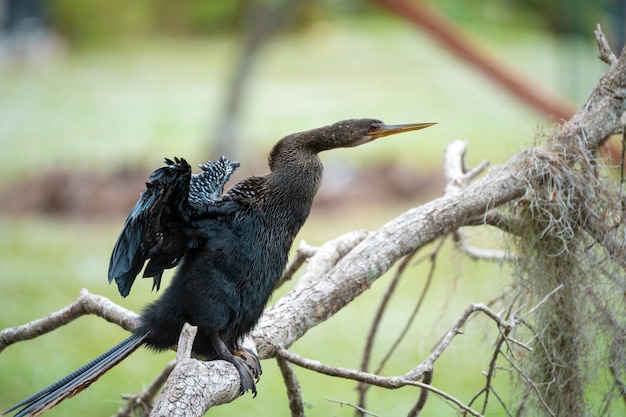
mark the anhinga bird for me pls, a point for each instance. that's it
(230, 249)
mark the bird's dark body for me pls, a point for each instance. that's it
(230, 249)
(223, 285)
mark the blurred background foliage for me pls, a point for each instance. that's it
(93, 94)
(90, 22)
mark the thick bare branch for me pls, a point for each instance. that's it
(194, 386)
(86, 303)
(610, 237)
(458, 177)
(311, 303)
(329, 254)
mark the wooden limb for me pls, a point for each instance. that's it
(294, 392)
(304, 252)
(194, 386)
(608, 236)
(600, 117)
(421, 400)
(480, 254)
(264, 18)
(462, 44)
(432, 257)
(86, 303)
(369, 344)
(141, 403)
(392, 382)
(329, 254)
(358, 409)
(604, 50)
(185, 342)
(457, 175)
(310, 303)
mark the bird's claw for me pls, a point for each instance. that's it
(251, 361)
(249, 367)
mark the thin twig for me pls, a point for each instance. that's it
(382, 307)
(455, 169)
(455, 330)
(361, 410)
(480, 254)
(385, 382)
(421, 400)
(417, 307)
(540, 303)
(294, 392)
(143, 401)
(533, 386)
(604, 50)
(488, 388)
(621, 161)
(501, 401)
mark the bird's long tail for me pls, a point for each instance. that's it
(78, 380)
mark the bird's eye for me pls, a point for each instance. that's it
(374, 127)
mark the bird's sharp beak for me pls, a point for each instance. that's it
(386, 130)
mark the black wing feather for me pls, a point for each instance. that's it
(129, 254)
(157, 228)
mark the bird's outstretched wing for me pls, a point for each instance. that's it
(155, 229)
(206, 187)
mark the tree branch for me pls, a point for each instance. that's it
(605, 53)
(86, 303)
(143, 401)
(392, 382)
(294, 393)
(304, 252)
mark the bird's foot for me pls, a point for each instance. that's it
(245, 360)
(247, 374)
(251, 360)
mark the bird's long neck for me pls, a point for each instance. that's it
(296, 174)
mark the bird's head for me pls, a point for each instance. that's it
(347, 133)
(355, 132)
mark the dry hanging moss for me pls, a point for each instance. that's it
(568, 217)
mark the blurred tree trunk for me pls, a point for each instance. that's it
(263, 20)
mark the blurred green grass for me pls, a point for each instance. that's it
(137, 102)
